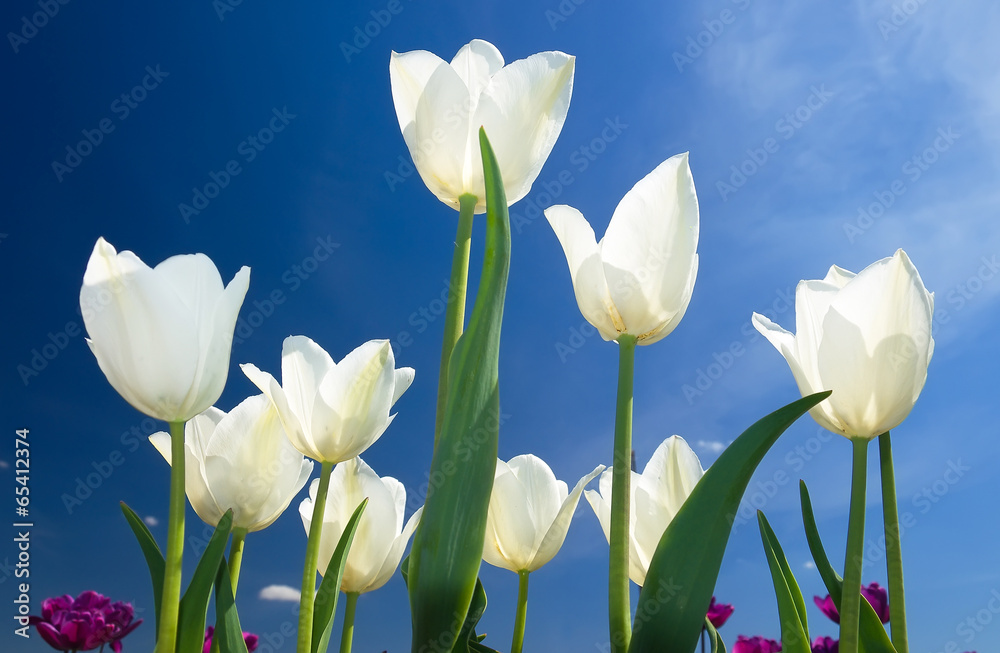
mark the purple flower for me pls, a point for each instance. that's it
(876, 596)
(719, 613)
(825, 645)
(250, 639)
(85, 623)
(755, 645)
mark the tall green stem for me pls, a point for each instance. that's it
(347, 635)
(454, 317)
(619, 611)
(893, 551)
(235, 561)
(850, 602)
(312, 558)
(170, 600)
(522, 611)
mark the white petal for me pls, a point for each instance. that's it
(476, 62)
(586, 269)
(289, 420)
(674, 470)
(408, 76)
(523, 111)
(403, 377)
(649, 250)
(395, 554)
(554, 537)
(509, 524)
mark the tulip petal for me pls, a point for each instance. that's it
(395, 555)
(649, 250)
(523, 111)
(476, 62)
(294, 429)
(544, 493)
(408, 76)
(402, 379)
(509, 527)
(554, 537)
(675, 469)
(586, 269)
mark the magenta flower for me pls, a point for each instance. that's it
(825, 645)
(755, 645)
(876, 596)
(85, 623)
(719, 613)
(250, 639)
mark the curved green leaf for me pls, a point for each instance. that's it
(154, 557)
(872, 637)
(448, 545)
(684, 569)
(718, 646)
(329, 590)
(228, 631)
(194, 603)
(791, 605)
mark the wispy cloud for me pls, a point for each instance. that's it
(151, 520)
(711, 445)
(279, 593)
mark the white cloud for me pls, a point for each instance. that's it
(151, 521)
(711, 445)
(279, 593)
(4, 464)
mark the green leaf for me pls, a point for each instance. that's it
(718, 646)
(871, 635)
(684, 569)
(329, 590)
(791, 605)
(467, 636)
(194, 603)
(228, 631)
(448, 545)
(154, 557)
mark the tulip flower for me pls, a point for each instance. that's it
(876, 596)
(719, 613)
(241, 461)
(249, 639)
(755, 644)
(381, 535)
(88, 622)
(441, 106)
(333, 411)
(825, 645)
(162, 336)
(657, 496)
(639, 278)
(867, 337)
(529, 516)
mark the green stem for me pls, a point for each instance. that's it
(619, 611)
(171, 598)
(893, 551)
(312, 558)
(454, 318)
(522, 611)
(236, 556)
(850, 601)
(347, 635)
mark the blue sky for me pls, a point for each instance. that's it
(880, 126)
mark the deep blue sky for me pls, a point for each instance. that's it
(883, 88)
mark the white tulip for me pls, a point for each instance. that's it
(657, 496)
(162, 336)
(331, 411)
(441, 107)
(240, 461)
(529, 515)
(639, 278)
(381, 536)
(867, 337)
